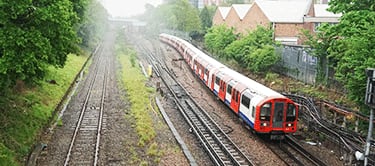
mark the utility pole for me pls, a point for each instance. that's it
(370, 101)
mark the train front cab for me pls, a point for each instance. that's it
(277, 116)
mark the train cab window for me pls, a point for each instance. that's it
(291, 113)
(265, 112)
(245, 100)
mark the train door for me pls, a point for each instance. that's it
(199, 71)
(184, 54)
(234, 101)
(202, 71)
(195, 64)
(222, 89)
(205, 76)
(236, 92)
(228, 95)
(216, 84)
(212, 82)
(278, 114)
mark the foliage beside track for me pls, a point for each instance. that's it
(255, 51)
(139, 95)
(348, 46)
(24, 114)
(37, 34)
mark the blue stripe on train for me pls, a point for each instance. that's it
(215, 92)
(227, 102)
(247, 120)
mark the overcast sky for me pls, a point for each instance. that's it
(127, 8)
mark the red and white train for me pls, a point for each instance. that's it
(261, 108)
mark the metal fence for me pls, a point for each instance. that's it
(297, 63)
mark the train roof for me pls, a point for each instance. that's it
(254, 86)
(210, 60)
(249, 83)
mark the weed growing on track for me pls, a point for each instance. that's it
(24, 114)
(138, 94)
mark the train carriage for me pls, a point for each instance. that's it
(261, 108)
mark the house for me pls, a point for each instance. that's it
(236, 15)
(321, 15)
(286, 17)
(220, 15)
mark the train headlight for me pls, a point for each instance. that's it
(264, 124)
(290, 124)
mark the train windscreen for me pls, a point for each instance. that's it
(265, 112)
(291, 113)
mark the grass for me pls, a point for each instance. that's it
(23, 115)
(134, 83)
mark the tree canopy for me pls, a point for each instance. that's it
(206, 15)
(349, 45)
(255, 51)
(36, 34)
(219, 37)
(177, 15)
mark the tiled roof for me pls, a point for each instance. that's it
(241, 9)
(224, 11)
(285, 11)
(320, 10)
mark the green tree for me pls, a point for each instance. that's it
(188, 20)
(176, 15)
(206, 16)
(34, 34)
(219, 37)
(349, 45)
(254, 51)
(93, 24)
(345, 6)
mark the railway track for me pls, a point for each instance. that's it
(218, 145)
(347, 141)
(85, 142)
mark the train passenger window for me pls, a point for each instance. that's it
(237, 96)
(291, 113)
(265, 112)
(245, 101)
(229, 89)
(253, 112)
(217, 80)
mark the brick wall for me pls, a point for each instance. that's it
(253, 18)
(232, 19)
(217, 19)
